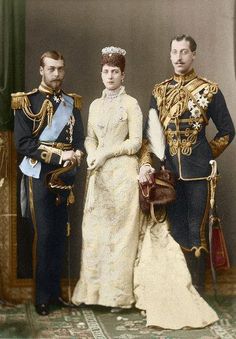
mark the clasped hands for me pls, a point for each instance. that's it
(96, 160)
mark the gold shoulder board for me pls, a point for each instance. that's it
(20, 99)
(208, 81)
(77, 100)
(213, 86)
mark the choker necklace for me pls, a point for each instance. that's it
(112, 94)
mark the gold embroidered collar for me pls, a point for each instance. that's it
(185, 77)
(45, 89)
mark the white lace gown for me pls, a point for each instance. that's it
(158, 281)
(110, 225)
(162, 282)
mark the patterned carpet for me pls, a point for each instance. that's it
(21, 321)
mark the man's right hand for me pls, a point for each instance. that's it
(145, 173)
(67, 156)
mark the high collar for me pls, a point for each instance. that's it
(48, 90)
(114, 93)
(185, 77)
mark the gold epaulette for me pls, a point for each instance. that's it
(208, 81)
(20, 100)
(161, 84)
(77, 100)
(213, 86)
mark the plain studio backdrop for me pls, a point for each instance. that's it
(81, 28)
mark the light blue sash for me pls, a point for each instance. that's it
(60, 119)
(50, 134)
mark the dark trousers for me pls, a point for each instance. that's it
(188, 217)
(50, 223)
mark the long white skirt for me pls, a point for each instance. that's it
(110, 236)
(162, 283)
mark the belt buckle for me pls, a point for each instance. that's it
(59, 145)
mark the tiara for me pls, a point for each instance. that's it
(112, 50)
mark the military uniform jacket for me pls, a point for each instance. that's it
(46, 123)
(184, 105)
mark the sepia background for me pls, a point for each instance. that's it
(81, 28)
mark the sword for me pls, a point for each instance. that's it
(213, 182)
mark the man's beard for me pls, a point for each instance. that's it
(55, 84)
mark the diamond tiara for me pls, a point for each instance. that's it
(112, 50)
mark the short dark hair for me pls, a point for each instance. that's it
(51, 54)
(192, 42)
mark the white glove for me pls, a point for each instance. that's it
(90, 159)
(97, 160)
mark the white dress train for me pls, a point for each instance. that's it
(162, 282)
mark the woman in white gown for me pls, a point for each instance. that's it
(110, 225)
(158, 281)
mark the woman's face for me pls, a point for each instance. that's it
(112, 77)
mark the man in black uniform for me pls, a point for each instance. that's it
(180, 110)
(49, 134)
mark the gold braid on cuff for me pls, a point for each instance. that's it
(48, 151)
(218, 145)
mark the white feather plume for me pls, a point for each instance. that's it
(155, 134)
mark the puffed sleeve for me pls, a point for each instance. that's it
(153, 138)
(220, 115)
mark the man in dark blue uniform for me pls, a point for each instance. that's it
(180, 110)
(49, 134)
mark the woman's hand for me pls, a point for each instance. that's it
(90, 159)
(96, 160)
(145, 173)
